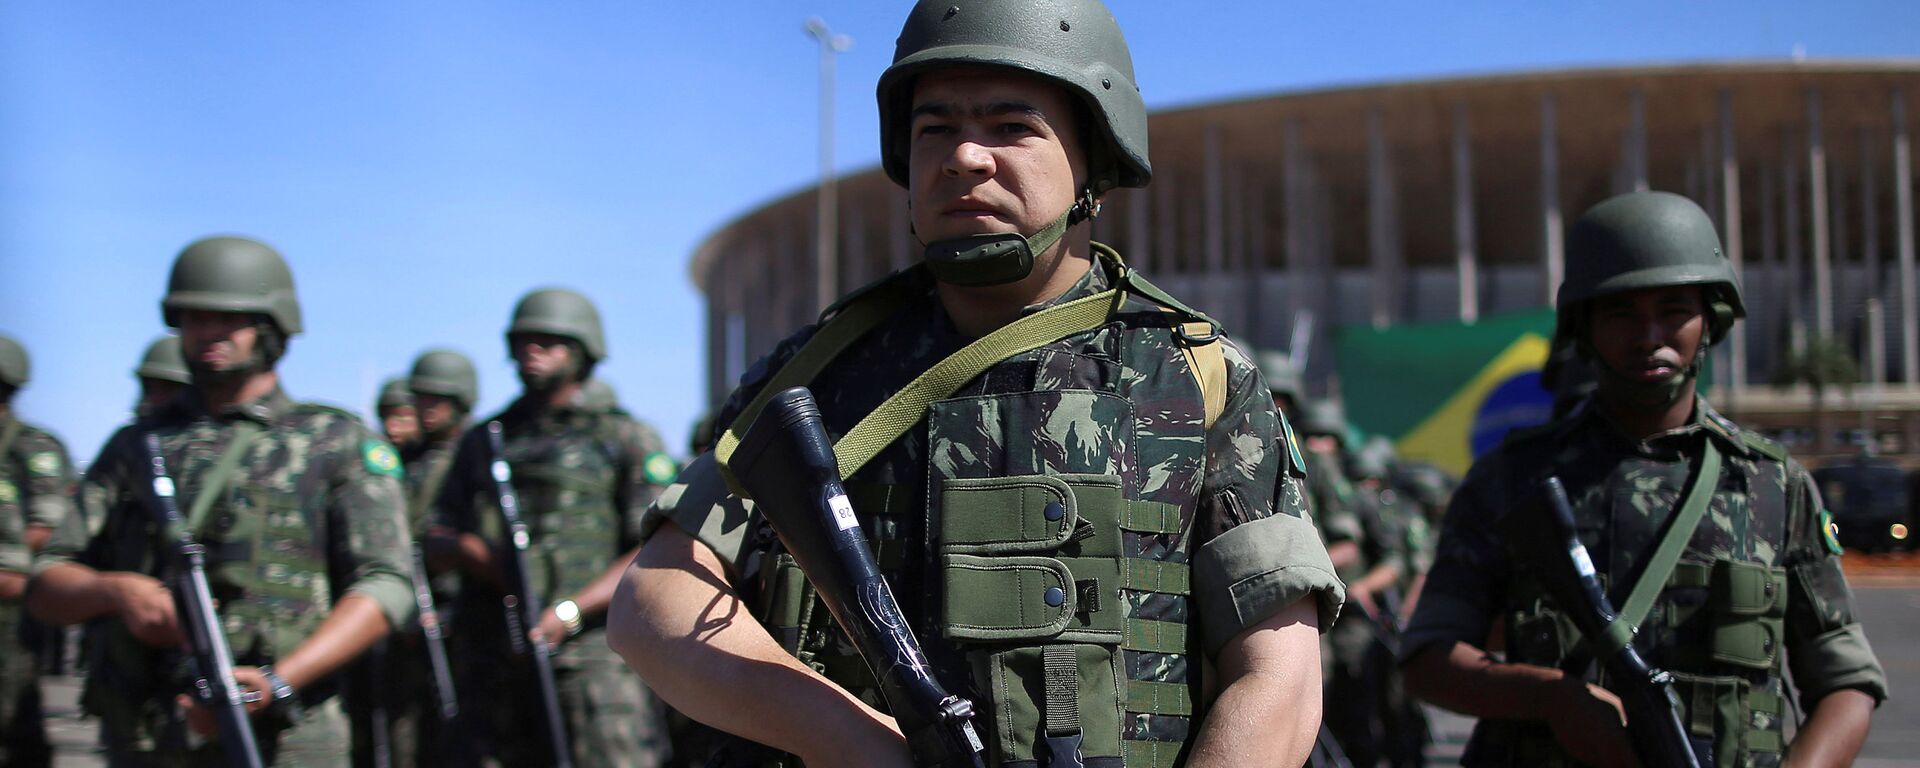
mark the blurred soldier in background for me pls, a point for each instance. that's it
(299, 509)
(1718, 553)
(1392, 516)
(36, 498)
(162, 374)
(399, 419)
(1368, 559)
(584, 475)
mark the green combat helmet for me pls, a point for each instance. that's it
(164, 362)
(1282, 376)
(1075, 44)
(561, 312)
(394, 393)
(1648, 240)
(446, 373)
(14, 369)
(232, 274)
(1324, 417)
(1374, 459)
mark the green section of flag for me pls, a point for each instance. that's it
(1393, 379)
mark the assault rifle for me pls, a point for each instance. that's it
(786, 463)
(212, 662)
(435, 638)
(523, 607)
(1653, 710)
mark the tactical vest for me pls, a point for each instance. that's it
(568, 476)
(1057, 580)
(1717, 625)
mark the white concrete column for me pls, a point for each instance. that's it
(1383, 225)
(1732, 237)
(1793, 282)
(1296, 208)
(1553, 245)
(1466, 265)
(1631, 175)
(1869, 214)
(1166, 221)
(1903, 232)
(1817, 205)
(1214, 194)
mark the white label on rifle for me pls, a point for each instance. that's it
(973, 739)
(843, 512)
(1581, 562)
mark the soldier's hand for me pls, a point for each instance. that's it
(550, 630)
(253, 694)
(1363, 597)
(145, 606)
(1591, 723)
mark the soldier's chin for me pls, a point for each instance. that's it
(206, 375)
(541, 382)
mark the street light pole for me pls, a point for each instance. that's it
(826, 228)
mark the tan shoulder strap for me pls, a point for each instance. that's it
(1208, 361)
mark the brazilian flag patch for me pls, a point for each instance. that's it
(660, 468)
(1293, 447)
(380, 458)
(44, 464)
(1829, 532)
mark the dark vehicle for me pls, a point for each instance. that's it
(1869, 498)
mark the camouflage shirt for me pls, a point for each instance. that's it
(426, 472)
(1120, 402)
(1765, 519)
(36, 488)
(313, 514)
(584, 477)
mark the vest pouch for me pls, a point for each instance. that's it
(1034, 695)
(1748, 603)
(785, 599)
(281, 573)
(1724, 708)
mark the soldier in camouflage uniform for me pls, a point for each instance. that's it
(1756, 592)
(299, 508)
(36, 497)
(585, 473)
(162, 375)
(1187, 548)
(1368, 553)
(399, 419)
(1396, 517)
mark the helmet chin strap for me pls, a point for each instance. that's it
(1658, 394)
(981, 260)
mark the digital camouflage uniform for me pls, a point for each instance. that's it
(313, 514)
(1116, 415)
(585, 476)
(1763, 536)
(36, 488)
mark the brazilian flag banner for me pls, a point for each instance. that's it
(1447, 392)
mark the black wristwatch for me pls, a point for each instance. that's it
(286, 700)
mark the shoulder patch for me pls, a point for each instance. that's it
(1829, 532)
(1298, 463)
(44, 464)
(380, 458)
(659, 468)
(8, 493)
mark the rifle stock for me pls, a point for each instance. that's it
(435, 638)
(522, 606)
(1653, 710)
(786, 463)
(213, 686)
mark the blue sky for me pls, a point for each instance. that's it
(424, 163)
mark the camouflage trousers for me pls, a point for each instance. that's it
(1350, 703)
(317, 741)
(391, 696)
(611, 719)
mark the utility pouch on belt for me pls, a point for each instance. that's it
(1032, 570)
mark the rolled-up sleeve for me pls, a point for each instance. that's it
(1257, 568)
(377, 547)
(1827, 647)
(700, 504)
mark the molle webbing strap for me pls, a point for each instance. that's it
(1151, 754)
(1150, 517)
(1156, 698)
(1155, 636)
(1667, 555)
(1061, 670)
(214, 482)
(905, 408)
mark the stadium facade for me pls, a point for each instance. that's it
(1448, 200)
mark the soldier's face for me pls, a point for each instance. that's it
(991, 152)
(543, 358)
(401, 423)
(1648, 338)
(155, 393)
(218, 342)
(436, 412)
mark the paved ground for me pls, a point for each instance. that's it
(1887, 595)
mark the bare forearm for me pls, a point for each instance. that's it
(678, 622)
(69, 594)
(13, 586)
(1836, 731)
(1344, 554)
(38, 536)
(1269, 711)
(598, 594)
(1378, 579)
(355, 624)
(1466, 680)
